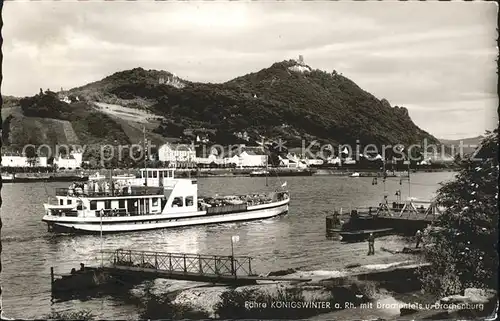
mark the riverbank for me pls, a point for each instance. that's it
(362, 279)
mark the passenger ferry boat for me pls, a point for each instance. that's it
(155, 200)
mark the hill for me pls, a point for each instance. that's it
(105, 90)
(469, 145)
(44, 119)
(287, 100)
(465, 141)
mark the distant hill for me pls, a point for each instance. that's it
(287, 100)
(465, 141)
(469, 144)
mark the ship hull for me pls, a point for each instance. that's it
(398, 225)
(161, 221)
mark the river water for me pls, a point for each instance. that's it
(296, 240)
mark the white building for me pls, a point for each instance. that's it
(176, 153)
(335, 161)
(23, 161)
(293, 161)
(209, 160)
(236, 160)
(74, 160)
(252, 159)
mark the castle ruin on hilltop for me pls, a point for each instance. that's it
(300, 66)
(172, 80)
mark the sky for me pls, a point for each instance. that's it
(436, 59)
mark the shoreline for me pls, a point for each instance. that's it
(26, 177)
(354, 282)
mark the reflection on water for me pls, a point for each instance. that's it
(296, 240)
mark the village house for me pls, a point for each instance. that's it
(176, 153)
(242, 135)
(72, 161)
(210, 160)
(23, 161)
(252, 158)
(291, 160)
(335, 161)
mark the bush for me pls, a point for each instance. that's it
(156, 308)
(251, 304)
(464, 251)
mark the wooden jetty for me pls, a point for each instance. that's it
(136, 266)
(396, 218)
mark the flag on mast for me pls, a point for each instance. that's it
(235, 238)
(283, 185)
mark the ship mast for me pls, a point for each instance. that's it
(409, 184)
(267, 168)
(145, 156)
(102, 259)
(384, 176)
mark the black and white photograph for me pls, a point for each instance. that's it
(258, 160)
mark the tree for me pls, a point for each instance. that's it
(463, 241)
(72, 98)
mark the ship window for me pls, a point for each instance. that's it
(93, 205)
(121, 203)
(189, 201)
(69, 202)
(150, 174)
(155, 202)
(61, 202)
(107, 204)
(155, 174)
(177, 202)
(142, 174)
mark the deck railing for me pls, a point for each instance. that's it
(183, 262)
(120, 192)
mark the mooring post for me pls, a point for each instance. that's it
(233, 272)
(199, 262)
(328, 225)
(51, 277)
